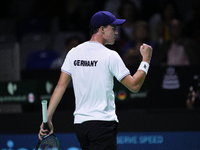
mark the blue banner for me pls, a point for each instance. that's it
(159, 141)
(125, 141)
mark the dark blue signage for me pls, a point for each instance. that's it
(125, 141)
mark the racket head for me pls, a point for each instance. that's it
(49, 142)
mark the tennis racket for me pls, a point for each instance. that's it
(50, 141)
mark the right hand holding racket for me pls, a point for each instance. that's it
(44, 131)
(47, 139)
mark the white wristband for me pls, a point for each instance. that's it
(144, 66)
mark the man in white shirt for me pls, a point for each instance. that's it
(92, 66)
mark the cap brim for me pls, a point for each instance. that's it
(118, 22)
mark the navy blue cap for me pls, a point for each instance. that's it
(103, 18)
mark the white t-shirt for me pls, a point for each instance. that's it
(92, 67)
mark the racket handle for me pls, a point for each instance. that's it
(44, 115)
(44, 111)
(46, 126)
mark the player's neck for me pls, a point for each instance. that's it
(97, 38)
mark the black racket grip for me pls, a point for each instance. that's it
(46, 126)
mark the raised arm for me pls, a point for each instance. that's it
(134, 83)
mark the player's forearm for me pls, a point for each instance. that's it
(58, 93)
(138, 78)
(134, 83)
(55, 100)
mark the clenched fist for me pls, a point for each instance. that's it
(146, 52)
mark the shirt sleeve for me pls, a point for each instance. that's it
(66, 66)
(117, 66)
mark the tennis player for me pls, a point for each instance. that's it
(92, 66)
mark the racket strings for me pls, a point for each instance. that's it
(50, 143)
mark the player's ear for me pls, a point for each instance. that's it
(102, 29)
